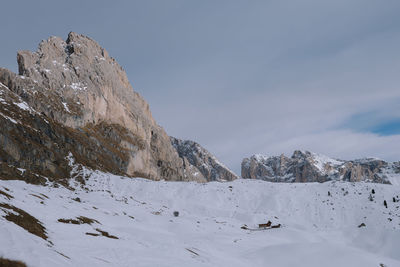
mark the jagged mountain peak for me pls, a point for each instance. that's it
(81, 71)
(306, 166)
(205, 163)
(84, 104)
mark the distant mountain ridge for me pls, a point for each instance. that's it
(305, 166)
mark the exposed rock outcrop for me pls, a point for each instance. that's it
(312, 167)
(203, 163)
(71, 96)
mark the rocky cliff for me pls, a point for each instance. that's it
(311, 167)
(71, 96)
(205, 165)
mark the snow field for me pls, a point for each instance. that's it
(317, 229)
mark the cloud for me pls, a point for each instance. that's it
(296, 99)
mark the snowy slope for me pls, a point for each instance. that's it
(317, 229)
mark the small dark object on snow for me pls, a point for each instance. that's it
(276, 226)
(191, 251)
(394, 199)
(361, 225)
(176, 213)
(103, 233)
(244, 227)
(385, 203)
(329, 193)
(263, 225)
(371, 198)
(373, 191)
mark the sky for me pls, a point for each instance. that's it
(244, 77)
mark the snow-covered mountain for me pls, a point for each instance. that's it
(205, 164)
(110, 220)
(311, 167)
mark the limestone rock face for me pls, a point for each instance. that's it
(311, 167)
(203, 162)
(85, 105)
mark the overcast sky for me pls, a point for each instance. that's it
(244, 77)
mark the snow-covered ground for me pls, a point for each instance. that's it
(318, 228)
